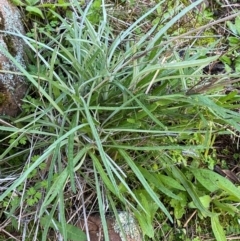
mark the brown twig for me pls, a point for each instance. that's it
(189, 219)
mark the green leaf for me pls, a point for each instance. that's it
(169, 181)
(217, 229)
(30, 201)
(103, 174)
(59, 183)
(101, 206)
(70, 154)
(232, 27)
(204, 179)
(149, 205)
(205, 200)
(141, 114)
(213, 182)
(73, 233)
(18, 2)
(32, 2)
(229, 96)
(35, 10)
(228, 208)
(145, 224)
(237, 25)
(237, 64)
(143, 181)
(174, 66)
(145, 219)
(157, 183)
(189, 188)
(31, 191)
(179, 205)
(47, 220)
(56, 187)
(225, 59)
(38, 195)
(233, 41)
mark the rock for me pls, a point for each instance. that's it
(128, 223)
(12, 86)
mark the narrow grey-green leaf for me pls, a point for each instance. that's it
(157, 183)
(70, 153)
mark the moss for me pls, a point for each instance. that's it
(209, 38)
(3, 98)
(10, 45)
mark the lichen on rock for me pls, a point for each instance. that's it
(128, 225)
(12, 85)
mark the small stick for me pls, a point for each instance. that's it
(189, 219)
(5, 123)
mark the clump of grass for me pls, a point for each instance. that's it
(115, 122)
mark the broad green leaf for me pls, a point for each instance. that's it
(146, 226)
(237, 64)
(145, 219)
(204, 179)
(169, 181)
(213, 181)
(73, 233)
(232, 27)
(233, 41)
(149, 205)
(217, 229)
(205, 200)
(18, 2)
(226, 115)
(179, 205)
(35, 10)
(225, 59)
(227, 207)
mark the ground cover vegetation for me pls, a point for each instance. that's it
(132, 106)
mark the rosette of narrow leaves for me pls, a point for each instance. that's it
(112, 113)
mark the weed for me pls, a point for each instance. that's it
(116, 121)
